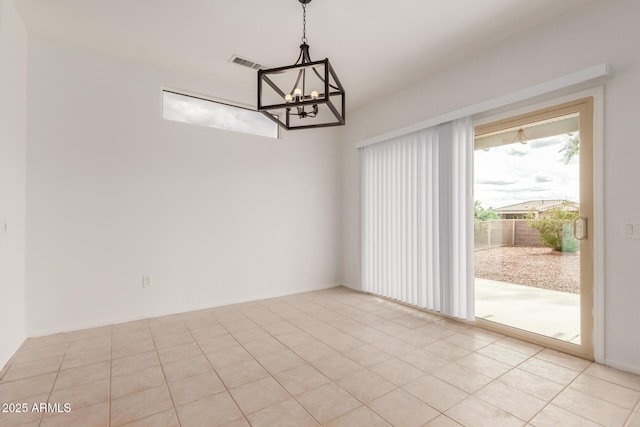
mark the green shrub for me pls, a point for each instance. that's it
(482, 214)
(556, 229)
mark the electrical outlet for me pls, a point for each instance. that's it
(631, 230)
(146, 281)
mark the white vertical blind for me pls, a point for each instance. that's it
(417, 218)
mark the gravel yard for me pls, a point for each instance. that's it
(536, 267)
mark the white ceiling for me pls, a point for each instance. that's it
(375, 46)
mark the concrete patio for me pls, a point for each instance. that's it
(546, 312)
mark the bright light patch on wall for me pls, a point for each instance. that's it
(198, 111)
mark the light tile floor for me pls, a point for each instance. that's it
(332, 357)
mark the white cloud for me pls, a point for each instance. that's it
(196, 111)
(543, 178)
(519, 172)
(494, 182)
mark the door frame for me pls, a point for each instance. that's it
(592, 347)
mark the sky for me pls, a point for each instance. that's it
(182, 108)
(518, 172)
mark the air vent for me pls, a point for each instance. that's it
(235, 59)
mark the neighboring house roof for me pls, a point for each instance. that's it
(537, 206)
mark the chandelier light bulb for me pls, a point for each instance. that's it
(291, 88)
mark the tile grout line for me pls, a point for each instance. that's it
(64, 355)
(7, 369)
(469, 395)
(365, 404)
(634, 410)
(137, 354)
(214, 371)
(455, 361)
(637, 406)
(402, 389)
(321, 373)
(475, 351)
(397, 387)
(166, 381)
(306, 362)
(270, 374)
(532, 356)
(7, 365)
(550, 401)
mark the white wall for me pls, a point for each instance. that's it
(13, 98)
(606, 32)
(115, 192)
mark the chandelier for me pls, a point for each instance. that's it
(307, 94)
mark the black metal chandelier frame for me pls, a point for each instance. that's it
(296, 108)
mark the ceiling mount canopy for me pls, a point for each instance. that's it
(307, 94)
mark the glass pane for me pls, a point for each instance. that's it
(188, 109)
(527, 262)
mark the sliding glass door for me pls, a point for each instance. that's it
(533, 214)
